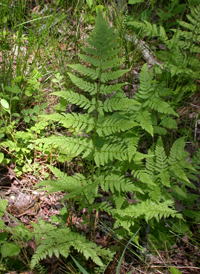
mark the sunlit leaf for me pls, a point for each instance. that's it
(9, 250)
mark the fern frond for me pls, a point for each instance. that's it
(163, 35)
(132, 143)
(145, 87)
(159, 130)
(110, 63)
(187, 26)
(161, 165)
(84, 85)
(192, 35)
(158, 104)
(59, 241)
(94, 74)
(169, 122)
(109, 89)
(177, 151)
(165, 178)
(195, 49)
(145, 121)
(104, 206)
(118, 103)
(63, 182)
(150, 210)
(150, 164)
(143, 176)
(180, 191)
(109, 152)
(112, 75)
(71, 146)
(161, 158)
(149, 29)
(79, 122)
(179, 172)
(115, 182)
(119, 200)
(111, 125)
(185, 34)
(138, 156)
(75, 98)
(89, 59)
(155, 194)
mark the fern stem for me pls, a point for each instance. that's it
(66, 266)
(96, 119)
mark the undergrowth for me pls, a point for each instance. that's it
(133, 166)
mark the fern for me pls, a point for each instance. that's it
(144, 118)
(164, 172)
(192, 35)
(180, 55)
(106, 135)
(64, 182)
(114, 182)
(148, 96)
(59, 241)
(155, 210)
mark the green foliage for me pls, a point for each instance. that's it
(178, 56)
(166, 172)
(59, 241)
(79, 266)
(14, 111)
(190, 38)
(11, 238)
(175, 270)
(9, 250)
(19, 147)
(106, 135)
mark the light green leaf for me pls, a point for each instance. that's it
(16, 114)
(34, 118)
(165, 178)
(169, 122)
(175, 270)
(132, 2)
(1, 157)
(3, 237)
(159, 130)
(15, 98)
(27, 119)
(90, 3)
(13, 89)
(9, 250)
(3, 205)
(180, 227)
(4, 103)
(1, 224)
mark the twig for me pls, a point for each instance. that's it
(145, 50)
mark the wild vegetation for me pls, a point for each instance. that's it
(99, 137)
